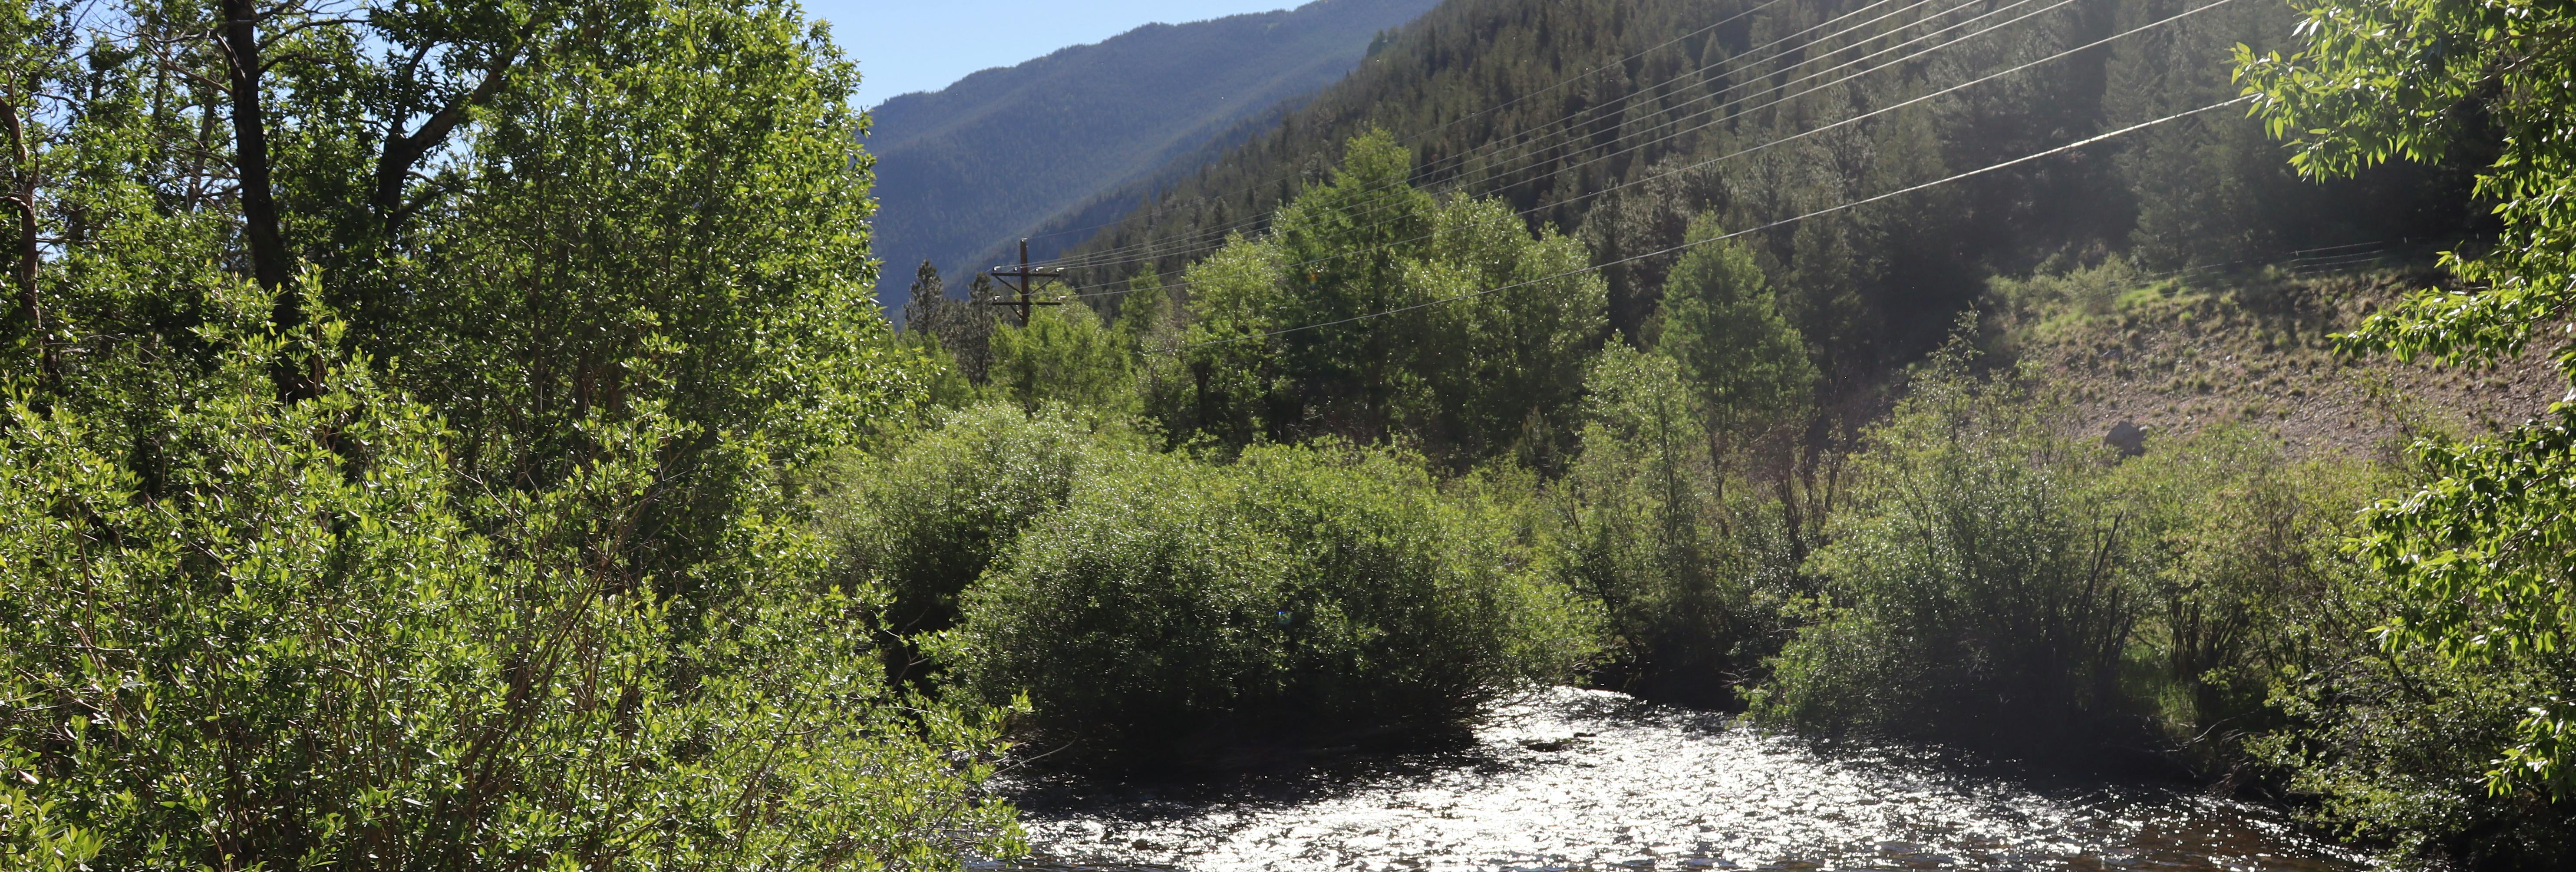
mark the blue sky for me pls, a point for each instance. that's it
(923, 45)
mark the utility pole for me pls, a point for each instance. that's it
(1028, 280)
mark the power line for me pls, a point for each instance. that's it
(1378, 204)
(1438, 165)
(1766, 4)
(1747, 231)
(1200, 240)
(1774, 142)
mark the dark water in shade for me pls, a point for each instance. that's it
(1590, 780)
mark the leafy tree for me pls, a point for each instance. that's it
(1346, 244)
(1373, 310)
(2482, 550)
(310, 643)
(1239, 389)
(1499, 371)
(1722, 323)
(1153, 325)
(1064, 355)
(504, 568)
(1646, 530)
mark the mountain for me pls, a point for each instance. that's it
(964, 172)
(1619, 121)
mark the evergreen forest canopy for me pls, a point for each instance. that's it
(455, 435)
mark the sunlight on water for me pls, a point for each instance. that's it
(1593, 780)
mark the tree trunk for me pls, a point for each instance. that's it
(31, 304)
(239, 37)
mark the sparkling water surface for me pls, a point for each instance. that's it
(1576, 779)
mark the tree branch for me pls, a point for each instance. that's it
(403, 152)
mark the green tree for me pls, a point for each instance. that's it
(310, 643)
(1064, 355)
(1347, 244)
(2482, 550)
(1373, 310)
(504, 568)
(1153, 326)
(1492, 365)
(1645, 530)
(1723, 324)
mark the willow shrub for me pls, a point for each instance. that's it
(923, 520)
(1175, 611)
(1974, 590)
(298, 640)
(1685, 571)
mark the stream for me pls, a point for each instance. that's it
(1576, 779)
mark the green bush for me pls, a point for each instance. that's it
(2234, 545)
(2398, 744)
(2394, 747)
(1066, 356)
(1975, 591)
(306, 642)
(924, 520)
(1646, 526)
(1183, 610)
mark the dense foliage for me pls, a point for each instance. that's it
(400, 406)
(1161, 609)
(317, 646)
(2480, 554)
(455, 435)
(1729, 464)
(1975, 584)
(1472, 380)
(1177, 610)
(1684, 555)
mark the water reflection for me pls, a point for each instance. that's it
(1591, 780)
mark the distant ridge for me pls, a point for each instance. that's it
(965, 171)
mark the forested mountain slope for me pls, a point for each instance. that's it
(1619, 120)
(963, 171)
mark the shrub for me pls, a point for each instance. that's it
(1183, 610)
(2395, 747)
(1974, 590)
(2234, 547)
(2396, 743)
(305, 644)
(1645, 528)
(925, 519)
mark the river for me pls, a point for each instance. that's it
(1577, 779)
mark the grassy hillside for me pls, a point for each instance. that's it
(963, 172)
(2174, 356)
